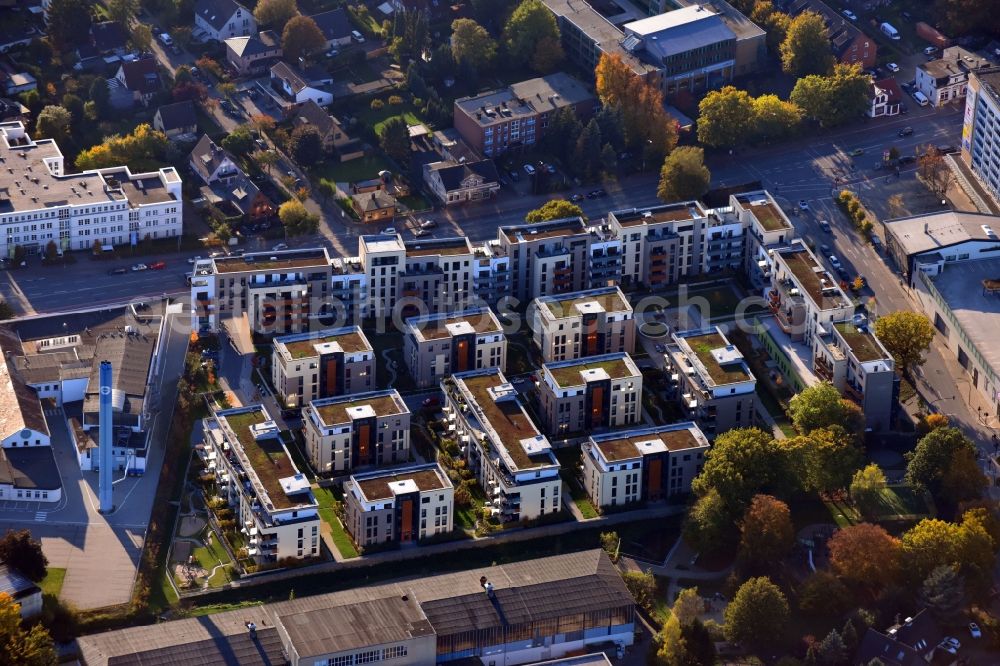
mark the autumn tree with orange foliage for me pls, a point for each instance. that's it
(648, 127)
(865, 554)
(766, 533)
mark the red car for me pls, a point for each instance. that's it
(157, 265)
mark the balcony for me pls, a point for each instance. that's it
(823, 368)
(852, 393)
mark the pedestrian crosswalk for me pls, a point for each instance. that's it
(40, 516)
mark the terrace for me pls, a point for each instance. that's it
(335, 411)
(305, 346)
(542, 230)
(268, 457)
(508, 419)
(627, 447)
(570, 374)
(444, 247)
(377, 487)
(266, 261)
(609, 300)
(862, 343)
(435, 328)
(658, 214)
(702, 346)
(814, 280)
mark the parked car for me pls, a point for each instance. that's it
(428, 224)
(974, 630)
(389, 231)
(660, 348)
(803, 204)
(528, 169)
(825, 226)
(357, 36)
(165, 39)
(945, 149)
(876, 243)
(892, 67)
(332, 53)
(824, 248)
(835, 262)
(907, 159)
(432, 401)
(216, 254)
(921, 98)
(157, 265)
(857, 152)
(576, 197)
(280, 246)
(139, 267)
(421, 233)
(851, 16)
(550, 168)
(514, 175)
(118, 271)
(930, 50)
(906, 131)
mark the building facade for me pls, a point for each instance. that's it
(512, 461)
(438, 345)
(400, 505)
(357, 431)
(101, 208)
(277, 292)
(324, 364)
(590, 394)
(584, 323)
(457, 183)
(767, 227)
(947, 79)
(712, 381)
(645, 464)
(980, 128)
(437, 275)
(219, 20)
(256, 475)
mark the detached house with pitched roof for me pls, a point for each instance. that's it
(331, 132)
(297, 87)
(176, 120)
(335, 27)
(221, 19)
(253, 55)
(849, 44)
(458, 183)
(226, 186)
(141, 78)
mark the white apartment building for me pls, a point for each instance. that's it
(254, 472)
(438, 275)
(402, 505)
(383, 257)
(513, 462)
(644, 464)
(767, 228)
(946, 79)
(327, 363)
(357, 431)
(582, 323)
(981, 128)
(437, 345)
(102, 208)
(663, 244)
(219, 20)
(805, 297)
(590, 394)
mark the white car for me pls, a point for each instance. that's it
(851, 16)
(835, 262)
(974, 630)
(892, 67)
(139, 267)
(390, 231)
(803, 204)
(280, 246)
(191, 260)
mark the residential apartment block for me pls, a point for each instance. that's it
(103, 208)
(767, 227)
(357, 431)
(399, 505)
(257, 477)
(858, 364)
(981, 129)
(275, 293)
(438, 273)
(438, 345)
(712, 381)
(513, 462)
(324, 364)
(383, 258)
(590, 394)
(496, 121)
(578, 605)
(582, 323)
(662, 244)
(805, 297)
(644, 464)
(557, 257)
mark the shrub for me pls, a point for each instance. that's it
(395, 100)
(377, 105)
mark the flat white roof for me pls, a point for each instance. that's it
(667, 20)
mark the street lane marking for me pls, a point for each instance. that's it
(40, 516)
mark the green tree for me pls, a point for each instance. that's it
(774, 23)
(562, 133)
(142, 150)
(396, 139)
(609, 160)
(306, 145)
(239, 141)
(647, 126)
(100, 96)
(587, 158)
(530, 27)
(301, 38)
(833, 100)
(122, 11)
(774, 118)
(265, 159)
(943, 592)
(742, 463)
(831, 458)
(806, 49)
(609, 542)
(68, 23)
(929, 544)
(906, 335)
(820, 406)
(642, 585)
(30, 647)
(688, 606)
(141, 37)
(725, 117)
(74, 104)
(823, 594)
(274, 14)
(831, 650)
(929, 463)
(471, 42)
(867, 486)
(23, 553)
(709, 524)
(672, 649)
(964, 479)
(611, 120)
(758, 614)
(491, 13)
(410, 35)
(554, 209)
(53, 123)
(684, 175)
(296, 219)
(865, 554)
(766, 533)
(699, 648)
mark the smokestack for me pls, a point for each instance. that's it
(105, 424)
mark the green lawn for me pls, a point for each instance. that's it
(569, 460)
(327, 500)
(53, 581)
(211, 556)
(899, 503)
(362, 168)
(465, 517)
